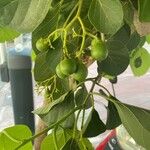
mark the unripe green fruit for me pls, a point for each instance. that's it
(81, 73)
(68, 66)
(42, 44)
(59, 73)
(98, 50)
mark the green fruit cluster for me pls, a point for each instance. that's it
(81, 73)
(72, 67)
(98, 50)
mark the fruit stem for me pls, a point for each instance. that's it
(90, 35)
(109, 98)
(80, 6)
(71, 13)
(104, 88)
(77, 15)
(83, 37)
(103, 37)
(57, 30)
(98, 78)
(65, 44)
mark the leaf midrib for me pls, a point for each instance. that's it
(140, 124)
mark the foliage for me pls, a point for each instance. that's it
(12, 137)
(66, 36)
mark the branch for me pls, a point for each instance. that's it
(49, 128)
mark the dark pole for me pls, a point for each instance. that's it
(21, 88)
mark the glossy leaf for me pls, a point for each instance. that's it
(45, 109)
(12, 137)
(117, 60)
(80, 97)
(122, 35)
(78, 144)
(62, 86)
(106, 15)
(7, 34)
(128, 12)
(136, 121)
(113, 119)
(94, 125)
(135, 4)
(62, 137)
(144, 10)
(148, 39)
(3, 3)
(45, 63)
(71, 145)
(84, 14)
(135, 41)
(33, 56)
(140, 61)
(84, 142)
(59, 111)
(42, 69)
(23, 16)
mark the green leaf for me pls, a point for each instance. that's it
(84, 14)
(148, 39)
(84, 142)
(62, 138)
(128, 12)
(4, 3)
(142, 41)
(45, 109)
(135, 4)
(81, 95)
(135, 41)
(113, 119)
(122, 35)
(73, 44)
(144, 10)
(61, 110)
(45, 63)
(62, 86)
(23, 16)
(94, 125)
(140, 61)
(117, 60)
(71, 145)
(7, 34)
(12, 137)
(106, 15)
(42, 70)
(137, 122)
(33, 56)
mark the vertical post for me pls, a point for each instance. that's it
(19, 66)
(4, 76)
